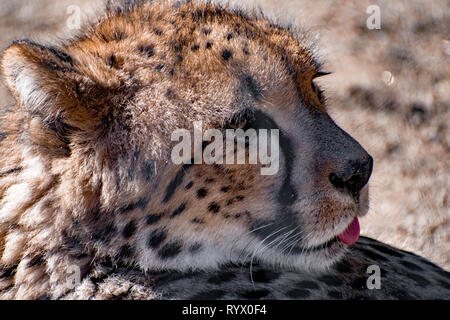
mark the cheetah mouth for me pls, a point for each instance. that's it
(348, 237)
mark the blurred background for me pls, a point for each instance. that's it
(390, 89)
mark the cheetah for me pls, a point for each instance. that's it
(88, 189)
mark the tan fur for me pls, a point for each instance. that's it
(89, 139)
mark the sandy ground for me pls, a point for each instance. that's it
(390, 89)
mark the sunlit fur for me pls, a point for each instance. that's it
(85, 161)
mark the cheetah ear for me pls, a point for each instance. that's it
(45, 84)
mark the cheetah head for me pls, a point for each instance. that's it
(98, 113)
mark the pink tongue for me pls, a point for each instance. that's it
(351, 234)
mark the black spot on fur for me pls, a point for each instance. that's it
(229, 36)
(118, 35)
(148, 50)
(195, 47)
(227, 54)
(420, 281)
(111, 60)
(206, 31)
(201, 193)
(359, 283)
(195, 247)
(298, 293)
(222, 277)
(156, 237)
(255, 294)
(198, 221)
(225, 189)
(209, 295)
(157, 31)
(141, 203)
(189, 185)
(213, 207)
(178, 210)
(104, 235)
(331, 280)
(444, 284)
(411, 266)
(265, 276)
(129, 229)
(7, 272)
(373, 255)
(209, 45)
(173, 185)
(159, 67)
(170, 250)
(38, 259)
(335, 294)
(306, 284)
(343, 267)
(2, 136)
(245, 51)
(153, 218)
(386, 250)
(13, 170)
(126, 251)
(148, 170)
(235, 199)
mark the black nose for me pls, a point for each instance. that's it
(353, 175)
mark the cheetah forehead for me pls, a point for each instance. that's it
(195, 47)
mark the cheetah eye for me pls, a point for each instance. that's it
(317, 90)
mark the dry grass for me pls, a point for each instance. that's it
(390, 90)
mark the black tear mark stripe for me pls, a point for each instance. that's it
(287, 194)
(173, 185)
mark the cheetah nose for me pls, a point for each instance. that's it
(353, 174)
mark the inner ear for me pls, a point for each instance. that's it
(47, 87)
(39, 78)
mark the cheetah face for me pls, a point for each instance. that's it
(100, 112)
(302, 217)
